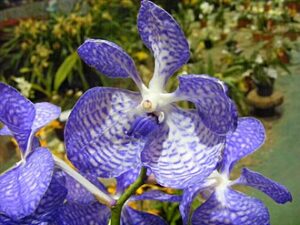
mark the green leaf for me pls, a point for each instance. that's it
(64, 70)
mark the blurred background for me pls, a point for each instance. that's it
(253, 46)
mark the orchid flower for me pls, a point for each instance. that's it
(225, 205)
(82, 208)
(111, 130)
(23, 186)
(26, 188)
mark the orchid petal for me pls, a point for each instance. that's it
(78, 194)
(133, 217)
(22, 188)
(274, 190)
(5, 131)
(234, 208)
(95, 134)
(215, 108)
(76, 214)
(143, 126)
(45, 113)
(183, 150)
(109, 59)
(164, 37)
(156, 195)
(247, 138)
(126, 179)
(188, 197)
(17, 113)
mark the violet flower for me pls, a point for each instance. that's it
(29, 190)
(82, 208)
(23, 187)
(111, 131)
(225, 205)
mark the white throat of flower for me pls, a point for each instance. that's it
(219, 182)
(155, 101)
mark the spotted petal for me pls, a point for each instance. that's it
(183, 150)
(17, 113)
(235, 208)
(95, 133)
(164, 37)
(126, 179)
(276, 191)
(188, 197)
(131, 217)
(22, 188)
(78, 194)
(76, 214)
(45, 113)
(247, 138)
(209, 95)
(109, 59)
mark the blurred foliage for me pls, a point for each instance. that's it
(226, 39)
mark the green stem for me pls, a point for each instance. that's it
(117, 209)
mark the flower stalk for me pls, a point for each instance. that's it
(117, 209)
(101, 196)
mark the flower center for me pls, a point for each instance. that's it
(147, 105)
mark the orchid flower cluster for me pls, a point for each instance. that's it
(131, 136)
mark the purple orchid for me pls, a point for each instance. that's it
(111, 131)
(225, 205)
(82, 207)
(23, 187)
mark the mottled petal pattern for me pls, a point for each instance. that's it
(95, 133)
(183, 149)
(126, 179)
(133, 217)
(156, 195)
(247, 138)
(4, 131)
(235, 208)
(276, 191)
(17, 113)
(109, 59)
(164, 37)
(188, 197)
(76, 214)
(45, 113)
(22, 188)
(216, 109)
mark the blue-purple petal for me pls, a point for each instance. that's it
(183, 150)
(234, 208)
(247, 138)
(131, 216)
(17, 113)
(126, 179)
(274, 190)
(188, 197)
(164, 37)
(22, 188)
(156, 195)
(44, 113)
(77, 214)
(215, 108)
(4, 131)
(95, 133)
(109, 59)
